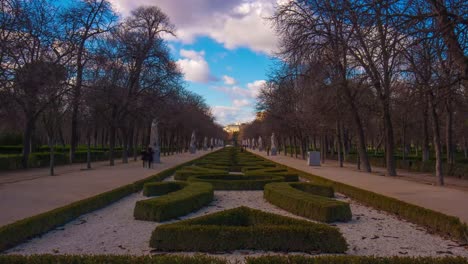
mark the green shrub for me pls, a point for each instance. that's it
(437, 222)
(354, 260)
(22, 230)
(184, 173)
(190, 198)
(102, 259)
(308, 200)
(245, 228)
(236, 182)
(162, 188)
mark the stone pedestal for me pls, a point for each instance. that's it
(157, 155)
(273, 151)
(313, 158)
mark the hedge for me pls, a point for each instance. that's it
(162, 188)
(437, 222)
(246, 228)
(184, 173)
(353, 260)
(16, 233)
(101, 259)
(236, 182)
(308, 200)
(42, 159)
(188, 199)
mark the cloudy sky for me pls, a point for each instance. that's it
(223, 47)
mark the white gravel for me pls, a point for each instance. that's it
(112, 230)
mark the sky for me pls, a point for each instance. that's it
(223, 47)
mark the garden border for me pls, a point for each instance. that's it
(440, 223)
(20, 231)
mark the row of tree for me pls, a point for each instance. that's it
(382, 75)
(75, 72)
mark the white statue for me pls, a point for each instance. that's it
(193, 147)
(260, 144)
(273, 145)
(154, 142)
(205, 144)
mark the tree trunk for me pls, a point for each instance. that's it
(52, 156)
(389, 142)
(358, 127)
(88, 155)
(27, 137)
(449, 136)
(425, 146)
(338, 137)
(465, 147)
(112, 145)
(437, 143)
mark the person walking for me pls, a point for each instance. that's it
(144, 157)
(268, 151)
(211, 147)
(150, 153)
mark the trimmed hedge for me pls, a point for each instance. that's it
(102, 259)
(42, 159)
(236, 182)
(354, 260)
(184, 173)
(16, 233)
(437, 222)
(188, 199)
(308, 200)
(162, 188)
(246, 228)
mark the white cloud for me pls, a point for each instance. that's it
(230, 114)
(241, 109)
(234, 23)
(194, 66)
(240, 102)
(228, 80)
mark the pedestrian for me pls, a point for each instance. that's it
(144, 158)
(268, 151)
(211, 147)
(150, 153)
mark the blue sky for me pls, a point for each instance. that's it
(222, 47)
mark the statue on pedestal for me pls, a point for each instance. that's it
(205, 144)
(260, 144)
(273, 145)
(154, 142)
(193, 146)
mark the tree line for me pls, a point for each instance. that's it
(370, 76)
(76, 72)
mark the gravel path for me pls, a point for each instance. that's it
(113, 230)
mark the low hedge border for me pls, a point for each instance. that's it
(308, 200)
(246, 228)
(184, 173)
(353, 260)
(186, 200)
(442, 224)
(162, 188)
(236, 182)
(102, 259)
(16, 233)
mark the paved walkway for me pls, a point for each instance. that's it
(447, 200)
(27, 193)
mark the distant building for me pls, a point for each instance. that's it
(232, 128)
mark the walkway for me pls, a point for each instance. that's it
(442, 199)
(27, 193)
